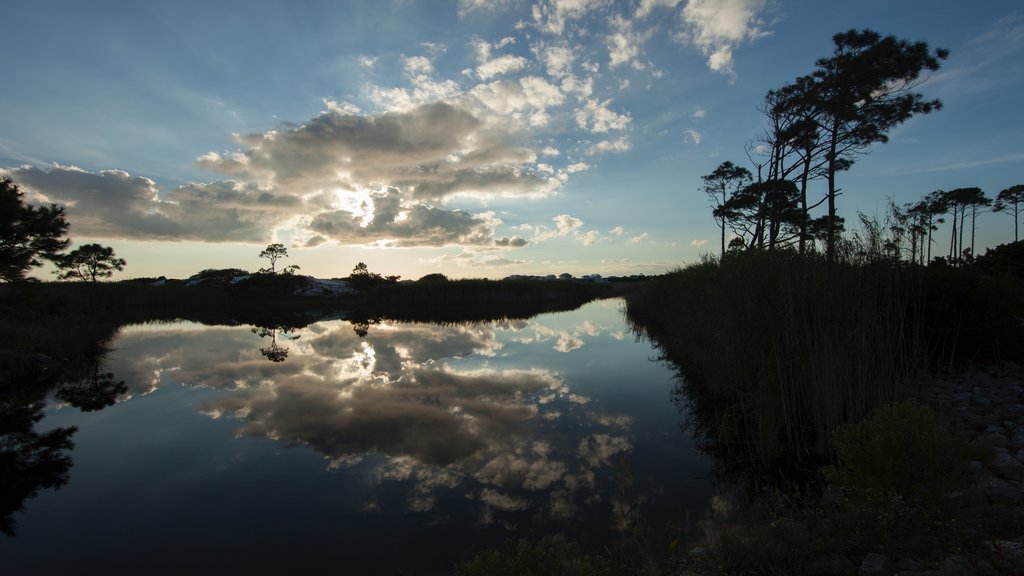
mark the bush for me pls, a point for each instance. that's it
(902, 450)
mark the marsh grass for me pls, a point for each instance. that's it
(777, 350)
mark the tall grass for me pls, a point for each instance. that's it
(776, 350)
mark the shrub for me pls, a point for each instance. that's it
(901, 450)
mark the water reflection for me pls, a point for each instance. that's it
(33, 460)
(399, 403)
(453, 436)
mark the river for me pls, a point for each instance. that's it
(387, 448)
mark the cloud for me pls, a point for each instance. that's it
(524, 101)
(646, 7)
(693, 137)
(617, 231)
(699, 114)
(557, 58)
(501, 65)
(625, 43)
(115, 204)
(621, 144)
(552, 16)
(577, 167)
(430, 152)
(698, 243)
(596, 117)
(638, 239)
(402, 224)
(468, 6)
(717, 27)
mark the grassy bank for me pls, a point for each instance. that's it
(776, 350)
(796, 374)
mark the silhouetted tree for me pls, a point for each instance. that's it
(959, 202)
(275, 252)
(763, 214)
(27, 233)
(1010, 200)
(865, 88)
(87, 263)
(719, 185)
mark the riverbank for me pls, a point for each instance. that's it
(975, 529)
(814, 385)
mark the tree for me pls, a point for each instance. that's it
(859, 93)
(27, 233)
(275, 252)
(725, 181)
(1011, 199)
(959, 201)
(87, 263)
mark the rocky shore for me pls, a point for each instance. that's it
(986, 404)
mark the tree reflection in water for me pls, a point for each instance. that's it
(275, 352)
(30, 460)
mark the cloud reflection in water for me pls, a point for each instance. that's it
(414, 405)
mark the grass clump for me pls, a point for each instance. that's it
(776, 350)
(900, 451)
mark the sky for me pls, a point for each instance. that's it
(474, 138)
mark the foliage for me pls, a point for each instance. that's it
(362, 277)
(1010, 200)
(901, 450)
(435, 277)
(821, 122)
(275, 252)
(27, 233)
(722, 184)
(87, 263)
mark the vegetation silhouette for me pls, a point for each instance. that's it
(817, 126)
(28, 234)
(274, 352)
(87, 263)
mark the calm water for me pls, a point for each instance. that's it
(401, 451)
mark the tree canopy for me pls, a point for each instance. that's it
(275, 252)
(28, 234)
(88, 263)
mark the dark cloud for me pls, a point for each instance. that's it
(115, 204)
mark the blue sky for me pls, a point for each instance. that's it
(476, 138)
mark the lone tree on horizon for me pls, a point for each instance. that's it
(275, 252)
(87, 263)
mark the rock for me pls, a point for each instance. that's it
(1006, 466)
(996, 439)
(1018, 437)
(875, 564)
(830, 566)
(958, 565)
(905, 565)
(1009, 554)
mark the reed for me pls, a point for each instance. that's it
(776, 350)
